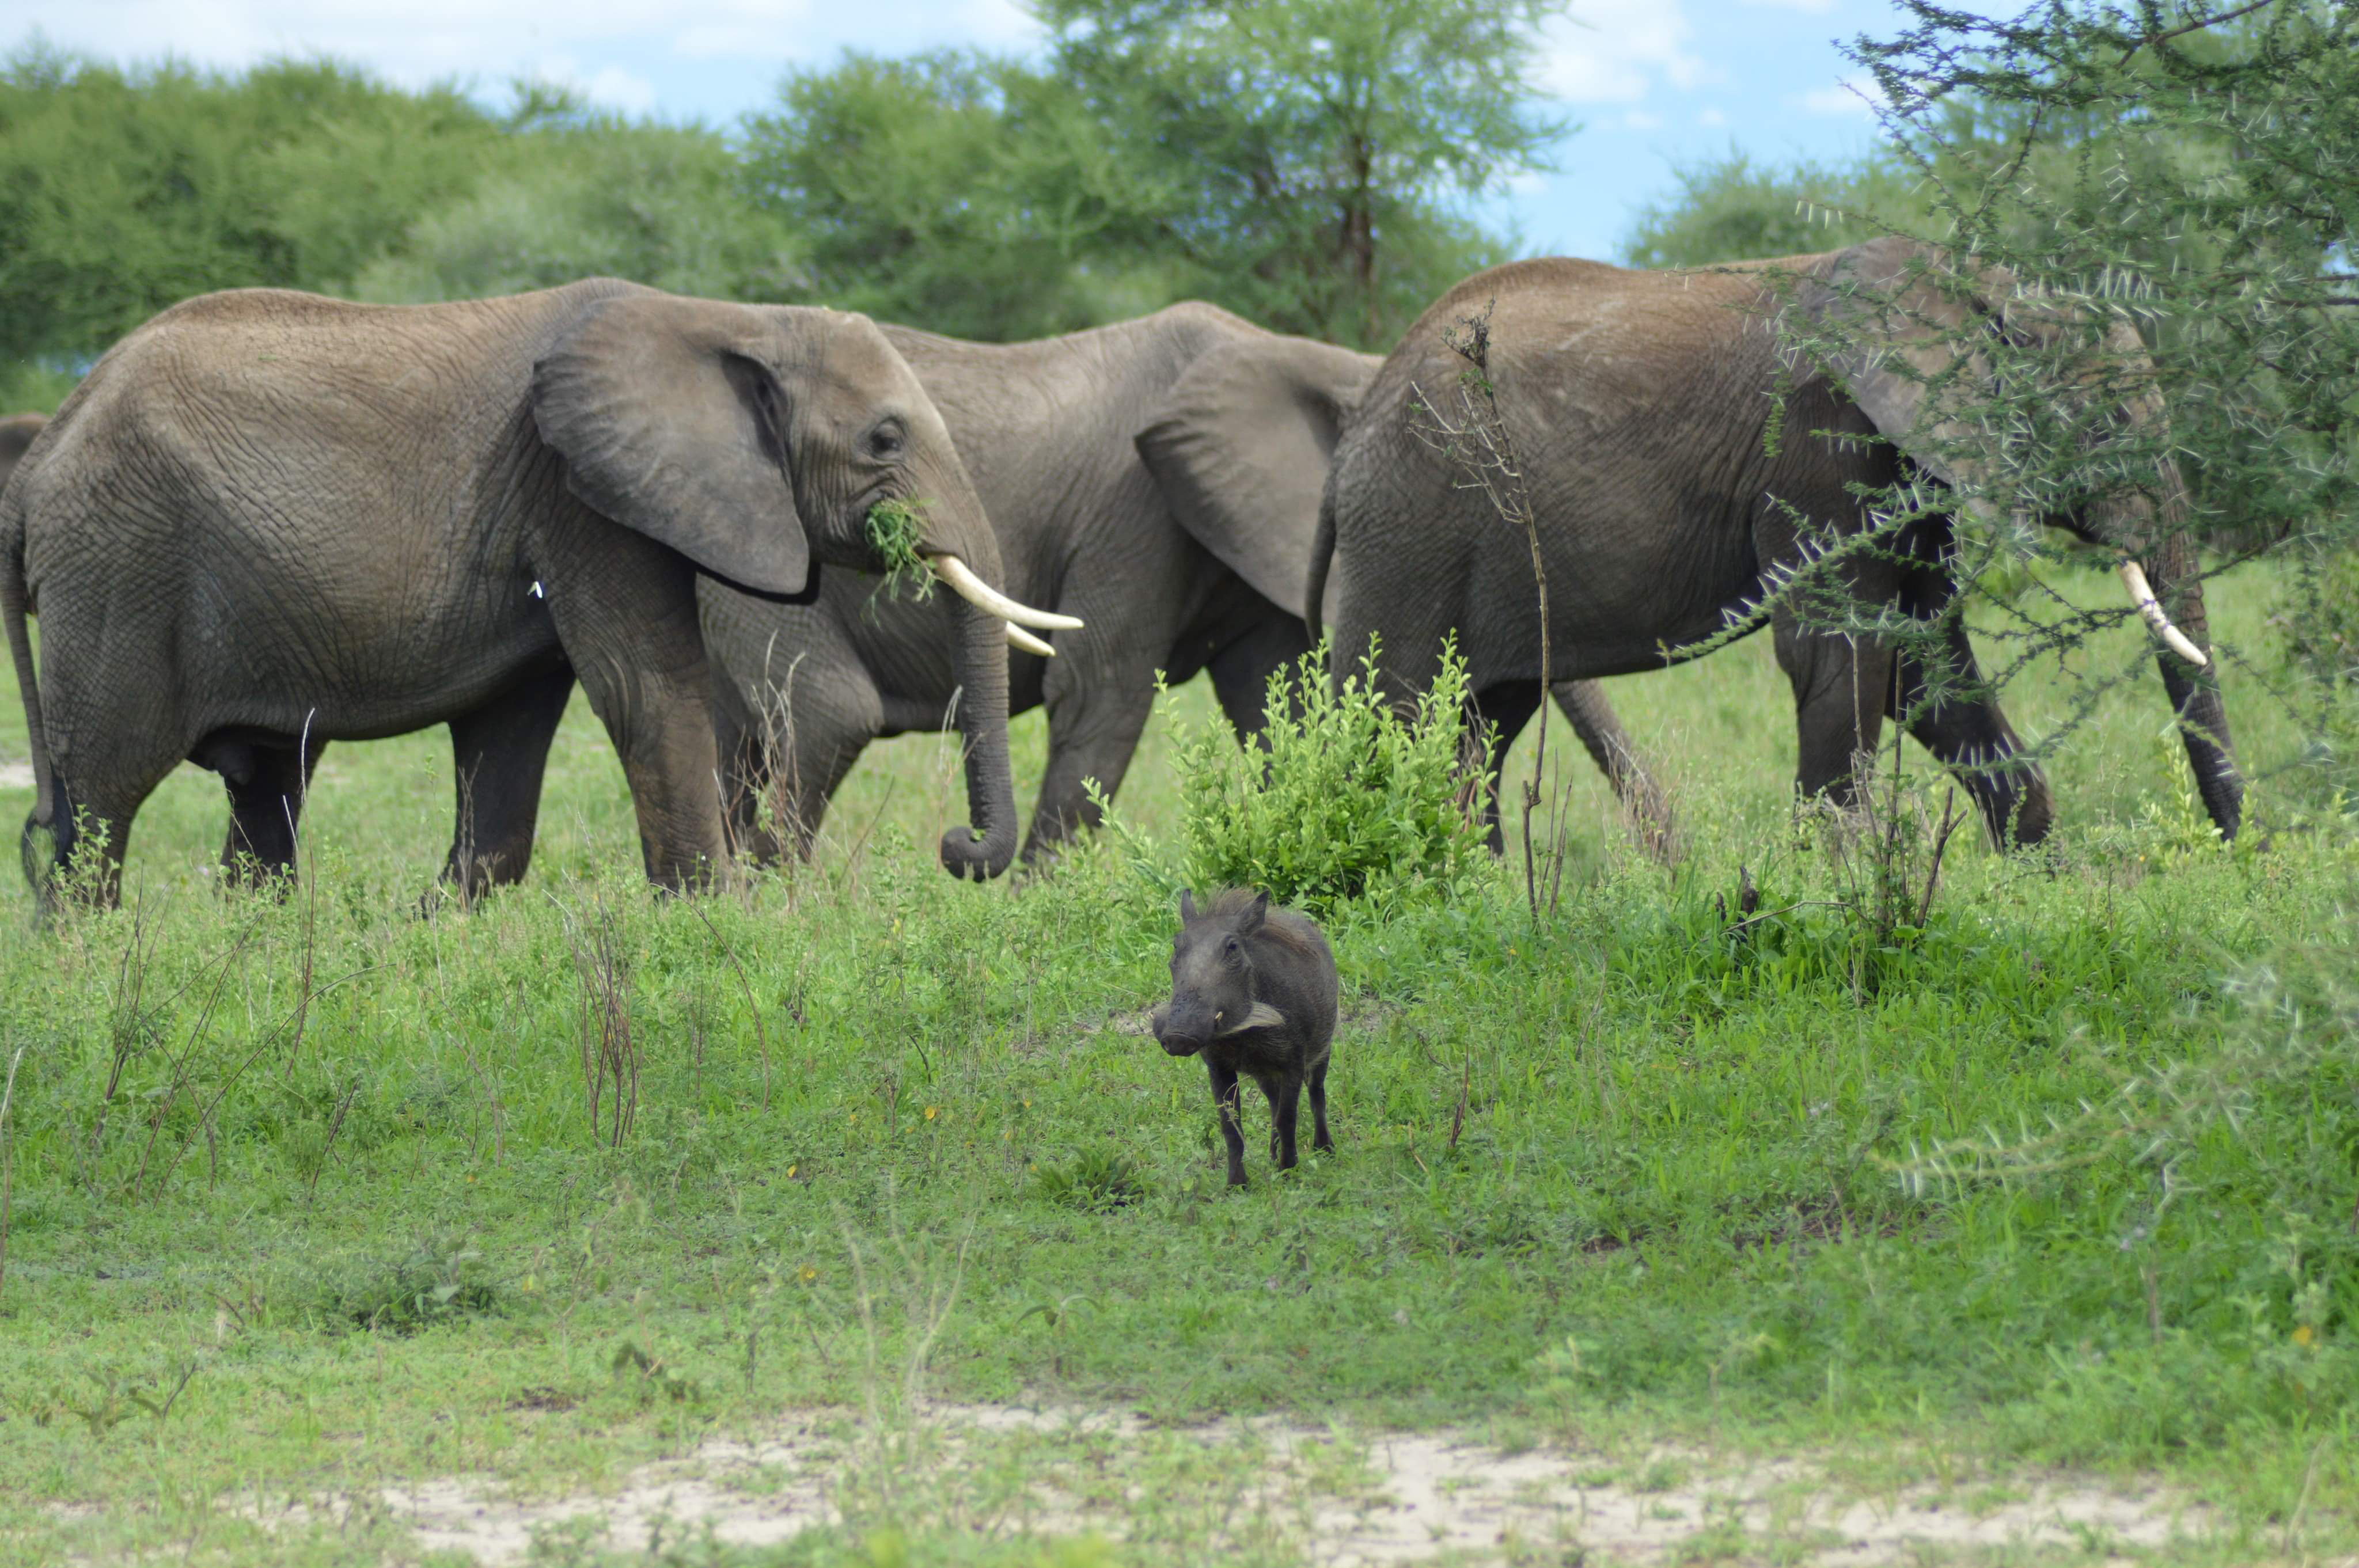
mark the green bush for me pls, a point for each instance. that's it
(1349, 802)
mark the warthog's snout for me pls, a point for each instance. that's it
(1175, 1037)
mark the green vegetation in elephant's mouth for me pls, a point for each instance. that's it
(892, 529)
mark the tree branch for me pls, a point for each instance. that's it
(2195, 27)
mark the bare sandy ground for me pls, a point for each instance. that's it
(1333, 1498)
(15, 775)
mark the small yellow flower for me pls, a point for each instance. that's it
(809, 1274)
(932, 1112)
(2305, 1336)
(790, 1172)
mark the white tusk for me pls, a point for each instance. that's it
(2142, 595)
(1263, 1016)
(1024, 642)
(983, 596)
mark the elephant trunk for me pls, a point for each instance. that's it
(988, 846)
(2177, 587)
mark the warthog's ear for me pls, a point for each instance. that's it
(1250, 921)
(1186, 905)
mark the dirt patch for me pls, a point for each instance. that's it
(15, 775)
(1336, 1497)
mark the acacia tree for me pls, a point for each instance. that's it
(1736, 208)
(2191, 171)
(1310, 160)
(1306, 163)
(948, 189)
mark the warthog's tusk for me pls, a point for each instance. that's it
(983, 596)
(1262, 1016)
(2142, 595)
(1025, 641)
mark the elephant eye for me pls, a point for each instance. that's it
(884, 441)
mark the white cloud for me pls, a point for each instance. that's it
(1001, 24)
(1711, 117)
(1809, 7)
(1616, 51)
(622, 89)
(1641, 120)
(415, 41)
(1854, 95)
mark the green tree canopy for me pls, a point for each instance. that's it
(1306, 164)
(2189, 171)
(123, 191)
(949, 190)
(1731, 208)
(1310, 160)
(586, 195)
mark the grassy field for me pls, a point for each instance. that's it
(363, 1191)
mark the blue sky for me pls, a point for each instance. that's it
(1653, 82)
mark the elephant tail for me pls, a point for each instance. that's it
(1323, 554)
(14, 609)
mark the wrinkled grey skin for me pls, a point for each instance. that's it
(1639, 401)
(1159, 479)
(1253, 992)
(267, 519)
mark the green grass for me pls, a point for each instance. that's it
(1611, 1178)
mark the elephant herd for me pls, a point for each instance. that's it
(266, 521)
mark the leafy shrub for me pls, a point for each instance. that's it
(1094, 1181)
(1349, 801)
(438, 1280)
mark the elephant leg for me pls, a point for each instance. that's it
(787, 740)
(1938, 695)
(110, 739)
(96, 791)
(746, 780)
(1094, 720)
(1504, 710)
(268, 784)
(1841, 688)
(820, 757)
(1240, 671)
(625, 612)
(500, 753)
(92, 822)
(1649, 809)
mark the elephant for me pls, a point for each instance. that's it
(1640, 404)
(1158, 478)
(267, 520)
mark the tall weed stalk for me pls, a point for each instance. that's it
(1477, 440)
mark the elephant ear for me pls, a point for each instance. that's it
(670, 424)
(1898, 333)
(1240, 450)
